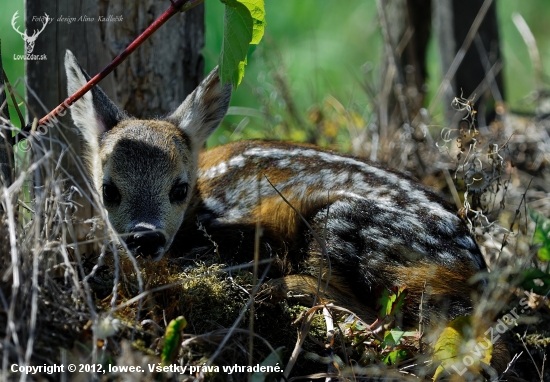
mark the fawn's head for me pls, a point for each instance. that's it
(145, 170)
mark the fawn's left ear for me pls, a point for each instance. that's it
(203, 110)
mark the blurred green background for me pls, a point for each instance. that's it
(322, 49)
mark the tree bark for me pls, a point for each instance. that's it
(150, 83)
(406, 27)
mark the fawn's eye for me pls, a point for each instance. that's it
(110, 194)
(179, 193)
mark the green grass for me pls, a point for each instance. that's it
(518, 71)
(323, 47)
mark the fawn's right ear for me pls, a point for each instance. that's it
(94, 113)
(203, 110)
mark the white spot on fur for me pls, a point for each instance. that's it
(214, 171)
(214, 205)
(237, 161)
(284, 163)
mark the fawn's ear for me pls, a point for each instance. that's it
(203, 110)
(94, 113)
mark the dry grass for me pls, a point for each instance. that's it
(106, 307)
(60, 305)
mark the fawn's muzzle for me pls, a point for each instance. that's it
(145, 241)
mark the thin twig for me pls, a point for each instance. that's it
(518, 212)
(532, 359)
(421, 319)
(255, 270)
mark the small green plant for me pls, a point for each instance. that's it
(380, 341)
(172, 339)
(542, 234)
(393, 345)
(537, 280)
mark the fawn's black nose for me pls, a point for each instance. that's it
(145, 241)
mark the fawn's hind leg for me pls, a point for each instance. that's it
(304, 288)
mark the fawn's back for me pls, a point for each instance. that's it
(380, 228)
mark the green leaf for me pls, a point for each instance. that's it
(399, 334)
(538, 236)
(393, 337)
(385, 303)
(172, 339)
(544, 253)
(542, 234)
(528, 277)
(237, 34)
(396, 356)
(454, 345)
(358, 326)
(244, 24)
(390, 340)
(399, 300)
(391, 303)
(274, 359)
(257, 11)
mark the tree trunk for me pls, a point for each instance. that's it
(406, 27)
(151, 82)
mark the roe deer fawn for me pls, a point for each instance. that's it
(381, 228)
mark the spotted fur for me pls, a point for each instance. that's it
(381, 228)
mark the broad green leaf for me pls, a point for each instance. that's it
(244, 24)
(396, 356)
(358, 326)
(237, 34)
(257, 11)
(274, 359)
(172, 339)
(456, 352)
(538, 236)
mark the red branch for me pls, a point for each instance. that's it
(177, 5)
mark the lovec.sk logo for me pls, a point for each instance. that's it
(30, 40)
